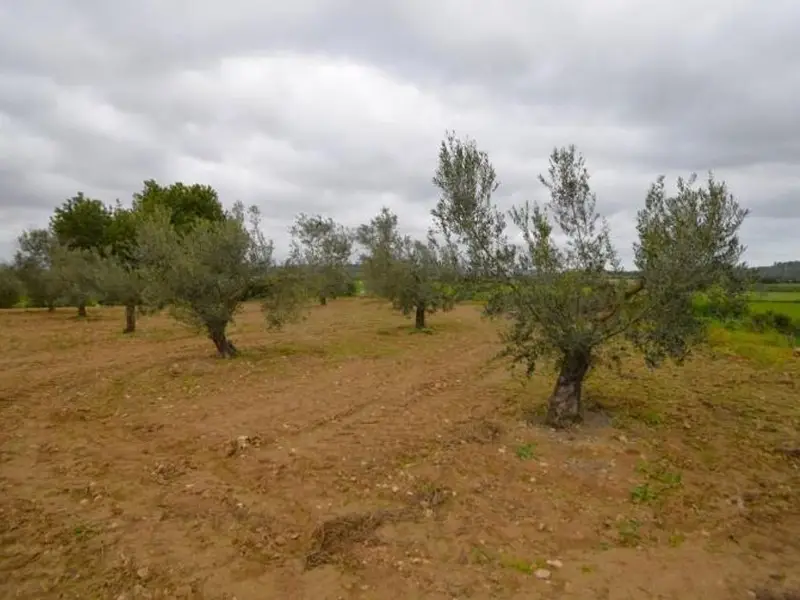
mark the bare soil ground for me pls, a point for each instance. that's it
(348, 458)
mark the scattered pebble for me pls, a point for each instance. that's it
(184, 591)
(555, 563)
(542, 574)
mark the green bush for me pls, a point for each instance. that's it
(716, 305)
(775, 321)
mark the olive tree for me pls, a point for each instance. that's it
(32, 263)
(184, 206)
(322, 249)
(567, 300)
(125, 280)
(204, 273)
(79, 274)
(81, 223)
(11, 288)
(413, 275)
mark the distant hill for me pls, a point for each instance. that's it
(781, 272)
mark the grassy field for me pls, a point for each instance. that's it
(786, 301)
(346, 457)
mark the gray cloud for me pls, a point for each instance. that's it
(337, 106)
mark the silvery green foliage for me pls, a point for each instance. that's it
(473, 228)
(565, 299)
(32, 262)
(688, 242)
(78, 274)
(11, 288)
(205, 272)
(321, 248)
(415, 276)
(124, 282)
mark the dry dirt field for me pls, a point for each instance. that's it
(347, 458)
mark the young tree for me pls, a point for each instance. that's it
(322, 248)
(567, 300)
(32, 263)
(411, 274)
(205, 274)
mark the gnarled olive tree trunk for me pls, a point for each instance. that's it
(323, 299)
(130, 318)
(82, 309)
(225, 347)
(419, 318)
(564, 406)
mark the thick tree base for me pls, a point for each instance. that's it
(224, 346)
(564, 406)
(130, 319)
(419, 318)
(82, 311)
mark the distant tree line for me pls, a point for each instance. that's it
(779, 272)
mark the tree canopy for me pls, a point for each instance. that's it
(82, 222)
(184, 204)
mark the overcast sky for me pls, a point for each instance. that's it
(338, 106)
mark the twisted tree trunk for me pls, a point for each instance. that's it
(225, 347)
(82, 309)
(130, 318)
(323, 300)
(564, 406)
